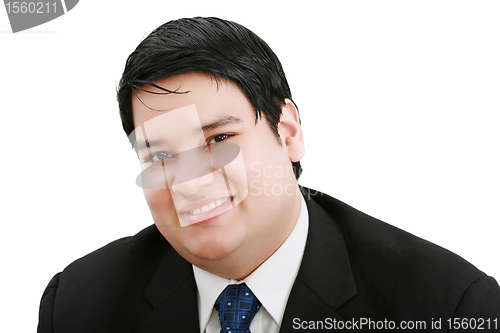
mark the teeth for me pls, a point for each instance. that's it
(208, 207)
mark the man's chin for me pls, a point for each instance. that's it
(212, 252)
(212, 244)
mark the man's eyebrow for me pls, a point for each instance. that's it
(222, 121)
(147, 144)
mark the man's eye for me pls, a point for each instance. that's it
(159, 156)
(218, 138)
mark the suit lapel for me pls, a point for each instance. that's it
(325, 279)
(172, 293)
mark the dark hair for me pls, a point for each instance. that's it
(220, 48)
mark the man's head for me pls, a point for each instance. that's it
(220, 48)
(192, 98)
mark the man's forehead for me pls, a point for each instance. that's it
(170, 124)
(193, 104)
(147, 101)
(166, 94)
(180, 90)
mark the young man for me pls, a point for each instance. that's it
(237, 245)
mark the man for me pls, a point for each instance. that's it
(237, 245)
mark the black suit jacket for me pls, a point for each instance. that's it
(355, 270)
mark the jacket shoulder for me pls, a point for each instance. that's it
(361, 231)
(391, 266)
(105, 287)
(123, 250)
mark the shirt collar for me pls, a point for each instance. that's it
(271, 282)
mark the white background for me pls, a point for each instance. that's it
(399, 103)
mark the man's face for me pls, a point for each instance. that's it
(222, 184)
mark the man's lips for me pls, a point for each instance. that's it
(203, 207)
(208, 207)
(198, 213)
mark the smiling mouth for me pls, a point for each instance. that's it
(208, 207)
(207, 212)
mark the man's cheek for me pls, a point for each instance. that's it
(158, 200)
(162, 209)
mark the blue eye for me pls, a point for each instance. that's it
(159, 156)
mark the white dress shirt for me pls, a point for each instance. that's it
(271, 283)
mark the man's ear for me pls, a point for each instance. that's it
(290, 131)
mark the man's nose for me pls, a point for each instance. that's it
(191, 187)
(193, 171)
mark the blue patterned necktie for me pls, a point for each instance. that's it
(236, 306)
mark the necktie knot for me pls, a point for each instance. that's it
(237, 306)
